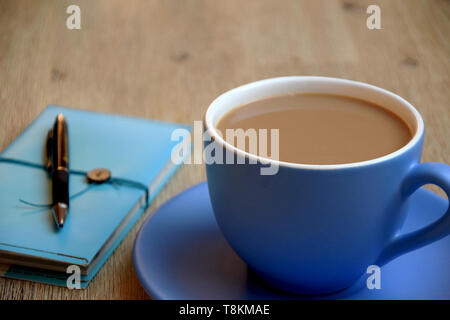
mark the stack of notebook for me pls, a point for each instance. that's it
(31, 246)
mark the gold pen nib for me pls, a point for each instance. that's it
(59, 212)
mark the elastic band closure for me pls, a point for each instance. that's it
(113, 180)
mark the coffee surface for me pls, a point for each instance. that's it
(317, 128)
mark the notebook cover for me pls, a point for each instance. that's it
(132, 148)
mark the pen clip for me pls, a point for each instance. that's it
(48, 151)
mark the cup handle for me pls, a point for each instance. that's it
(421, 174)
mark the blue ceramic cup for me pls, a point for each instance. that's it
(314, 229)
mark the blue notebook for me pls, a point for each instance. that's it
(31, 247)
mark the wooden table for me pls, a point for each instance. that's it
(168, 59)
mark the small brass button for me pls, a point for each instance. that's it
(99, 175)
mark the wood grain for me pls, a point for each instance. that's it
(168, 59)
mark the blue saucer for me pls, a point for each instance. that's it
(180, 253)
